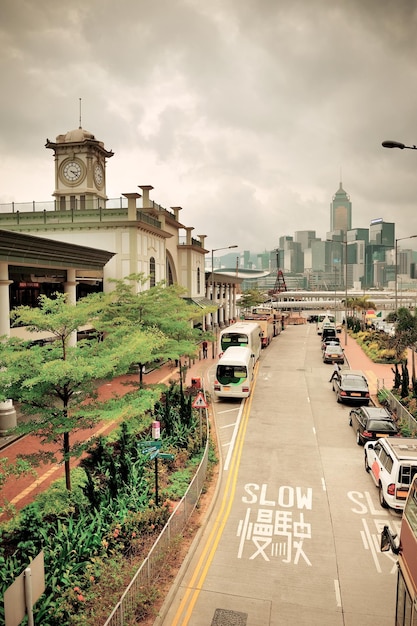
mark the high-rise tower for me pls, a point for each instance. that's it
(341, 211)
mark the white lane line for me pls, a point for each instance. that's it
(337, 593)
(233, 439)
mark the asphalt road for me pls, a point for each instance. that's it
(293, 538)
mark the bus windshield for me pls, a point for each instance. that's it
(229, 374)
(234, 339)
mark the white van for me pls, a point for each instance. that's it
(325, 321)
(392, 463)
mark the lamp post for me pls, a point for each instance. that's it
(397, 144)
(396, 268)
(212, 280)
(346, 277)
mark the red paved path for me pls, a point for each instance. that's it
(21, 492)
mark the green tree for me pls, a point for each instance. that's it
(251, 298)
(55, 384)
(159, 309)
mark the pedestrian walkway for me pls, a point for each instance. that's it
(378, 374)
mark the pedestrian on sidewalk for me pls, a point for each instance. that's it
(204, 349)
(336, 370)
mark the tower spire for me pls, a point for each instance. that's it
(80, 112)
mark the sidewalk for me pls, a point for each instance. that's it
(378, 374)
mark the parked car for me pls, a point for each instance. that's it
(351, 386)
(328, 332)
(330, 341)
(392, 463)
(333, 354)
(370, 423)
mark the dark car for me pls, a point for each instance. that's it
(370, 423)
(330, 341)
(328, 333)
(333, 354)
(351, 386)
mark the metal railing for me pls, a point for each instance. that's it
(148, 570)
(402, 416)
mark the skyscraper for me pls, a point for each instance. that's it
(341, 211)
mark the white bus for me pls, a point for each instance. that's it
(242, 334)
(234, 373)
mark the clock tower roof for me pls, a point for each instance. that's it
(76, 135)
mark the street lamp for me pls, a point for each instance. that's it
(397, 144)
(396, 267)
(212, 281)
(346, 280)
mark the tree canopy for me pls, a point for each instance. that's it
(55, 383)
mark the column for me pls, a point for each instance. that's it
(71, 291)
(221, 304)
(8, 417)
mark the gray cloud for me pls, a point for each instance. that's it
(244, 112)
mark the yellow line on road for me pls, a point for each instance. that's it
(197, 580)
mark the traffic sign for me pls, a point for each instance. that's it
(166, 455)
(200, 401)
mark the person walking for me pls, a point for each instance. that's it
(336, 370)
(204, 349)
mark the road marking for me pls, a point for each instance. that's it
(197, 580)
(323, 484)
(337, 593)
(233, 439)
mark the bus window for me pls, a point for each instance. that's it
(228, 374)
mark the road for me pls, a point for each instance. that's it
(293, 538)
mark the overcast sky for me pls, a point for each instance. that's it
(247, 113)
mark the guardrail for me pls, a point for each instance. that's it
(397, 409)
(147, 572)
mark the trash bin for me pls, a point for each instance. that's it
(196, 383)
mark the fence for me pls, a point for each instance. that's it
(125, 608)
(396, 408)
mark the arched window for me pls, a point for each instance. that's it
(198, 280)
(152, 273)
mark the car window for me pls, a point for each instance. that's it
(386, 460)
(406, 474)
(354, 383)
(383, 425)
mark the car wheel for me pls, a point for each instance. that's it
(358, 438)
(367, 468)
(381, 497)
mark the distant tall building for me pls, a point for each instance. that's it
(305, 238)
(382, 233)
(341, 211)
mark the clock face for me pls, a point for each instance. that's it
(72, 171)
(98, 175)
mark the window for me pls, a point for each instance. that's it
(198, 280)
(152, 272)
(407, 473)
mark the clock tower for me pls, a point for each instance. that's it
(80, 170)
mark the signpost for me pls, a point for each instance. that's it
(200, 402)
(152, 448)
(22, 594)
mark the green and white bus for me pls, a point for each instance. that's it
(234, 373)
(242, 334)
